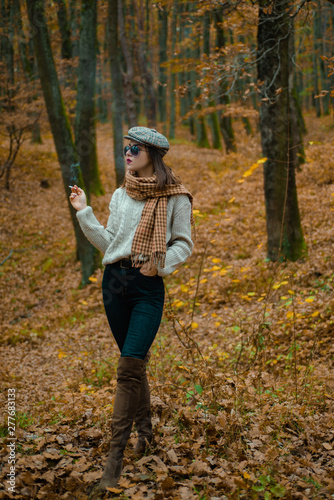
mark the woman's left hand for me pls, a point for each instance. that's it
(148, 269)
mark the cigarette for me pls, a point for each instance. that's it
(71, 187)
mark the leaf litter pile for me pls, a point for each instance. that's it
(241, 370)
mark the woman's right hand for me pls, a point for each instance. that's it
(78, 198)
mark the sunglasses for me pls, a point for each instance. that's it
(134, 150)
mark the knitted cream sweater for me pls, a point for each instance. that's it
(115, 240)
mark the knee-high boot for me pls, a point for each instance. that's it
(129, 380)
(143, 416)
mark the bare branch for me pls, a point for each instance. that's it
(8, 256)
(16, 139)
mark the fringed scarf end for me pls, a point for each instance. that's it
(157, 259)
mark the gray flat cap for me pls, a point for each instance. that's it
(149, 137)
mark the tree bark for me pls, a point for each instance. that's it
(163, 33)
(319, 32)
(128, 75)
(284, 231)
(188, 99)
(59, 123)
(298, 127)
(172, 87)
(150, 100)
(213, 117)
(183, 75)
(197, 124)
(316, 101)
(195, 92)
(27, 66)
(85, 133)
(101, 101)
(7, 53)
(331, 77)
(75, 26)
(225, 122)
(65, 31)
(116, 79)
(22, 43)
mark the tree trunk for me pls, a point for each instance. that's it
(27, 67)
(316, 101)
(36, 137)
(187, 75)
(242, 83)
(163, 32)
(224, 121)
(148, 26)
(301, 82)
(65, 31)
(116, 79)
(202, 140)
(85, 134)
(298, 127)
(7, 53)
(285, 236)
(59, 123)
(146, 75)
(247, 125)
(183, 75)
(11, 56)
(199, 121)
(227, 129)
(331, 8)
(101, 101)
(213, 117)
(27, 61)
(319, 31)
(75, 26)
(172, 87)
(23, 46)
(128, 75)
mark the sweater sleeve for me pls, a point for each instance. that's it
(180, 245)
(96, 233)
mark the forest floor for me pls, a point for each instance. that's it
(241, 370)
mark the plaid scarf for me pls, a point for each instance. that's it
(149, 242)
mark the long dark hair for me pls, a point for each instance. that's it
(165, 175)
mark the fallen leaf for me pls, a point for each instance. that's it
(48, 476)
(91, 476)
(167, 483)
(172, 456)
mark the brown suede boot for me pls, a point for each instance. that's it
(143, 418)
(129, 379)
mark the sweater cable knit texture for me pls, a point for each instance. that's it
(115, 240)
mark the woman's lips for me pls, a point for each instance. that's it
(128, 161)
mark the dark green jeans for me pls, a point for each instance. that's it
(133, 304)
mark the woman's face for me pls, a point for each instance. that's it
(142, 164)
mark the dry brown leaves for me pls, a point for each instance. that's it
(241, 370)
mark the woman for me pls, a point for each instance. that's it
(148, 235)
